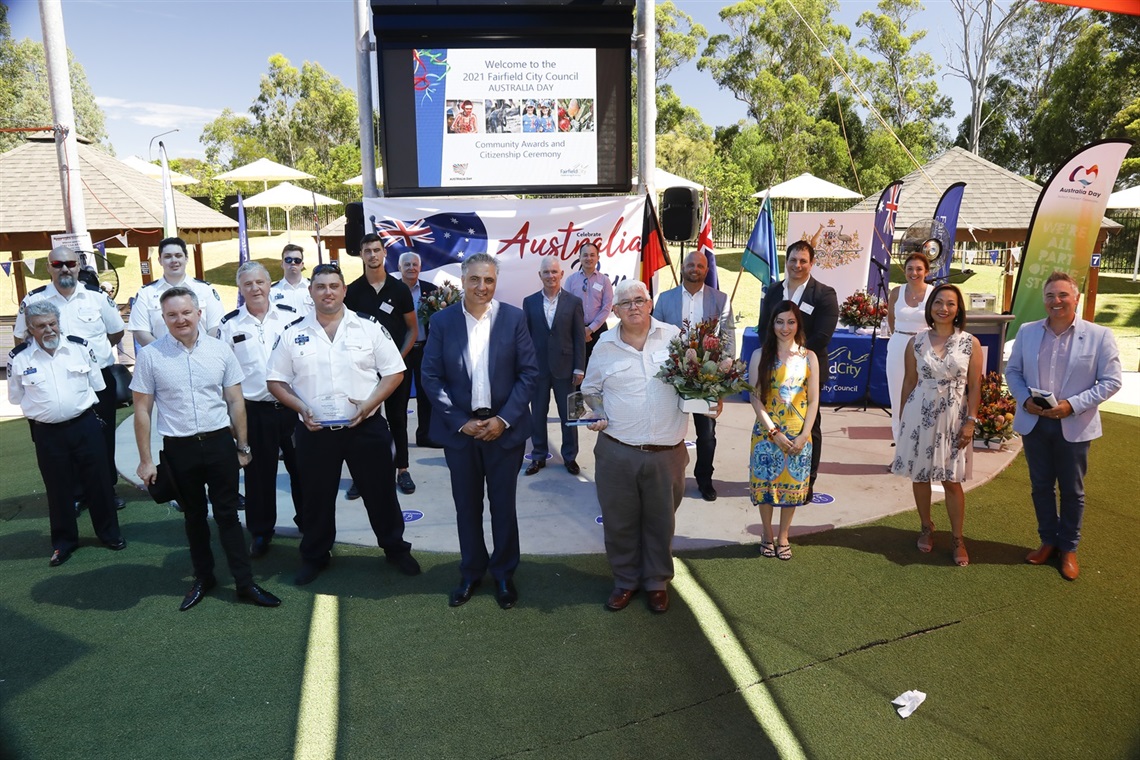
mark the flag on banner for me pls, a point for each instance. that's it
(101, 263)
(654, 250)
(759, 258)
(169, 219)
(7, 267)
(879, 274)
(243, 241)
(1069, 211)
(705, 243)
(31, 265)
(947, 213)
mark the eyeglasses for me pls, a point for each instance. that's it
(637, 303)
(292, 260)
(62, 264)
(320, 269)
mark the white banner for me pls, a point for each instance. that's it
(443, 231)
(842, 244)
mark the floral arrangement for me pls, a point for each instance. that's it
(698, 367)
(995, 412)
(443, 296)
(862, 310)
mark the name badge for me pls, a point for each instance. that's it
(807, 308)
(660, 357)
(386, 308)
(597, 286)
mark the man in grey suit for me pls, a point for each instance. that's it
(1079, 363)
(693, 302)
(554, 319)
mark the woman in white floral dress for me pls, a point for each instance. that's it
(942, 388)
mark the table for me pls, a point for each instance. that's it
(848, 359)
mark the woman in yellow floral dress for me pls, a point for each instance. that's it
(786, 378)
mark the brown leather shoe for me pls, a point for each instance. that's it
(535, 466)
(1069, 567)
(619, 599)
(1041, 554)
(659, 601)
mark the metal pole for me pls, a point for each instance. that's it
(63, 116)
(646, 36)
(363, 14)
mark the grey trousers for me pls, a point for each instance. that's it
(639, 492)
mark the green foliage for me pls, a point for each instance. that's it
(677, 38)
(733, 188)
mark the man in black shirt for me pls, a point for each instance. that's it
(390, 301)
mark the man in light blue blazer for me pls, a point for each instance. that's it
(694, 302)
(1079, 363)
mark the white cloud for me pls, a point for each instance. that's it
(157, 115)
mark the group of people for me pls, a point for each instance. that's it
(301, 370)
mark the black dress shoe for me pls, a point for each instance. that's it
(405, 483)
(58, 558)
(352, 494)
(462, 594)
(572, 467)
(119, 502)
(308, 572)
(200, 588)
(258, 595)
(117, 545)
(405, 562)
(259, 546)
(535, 465)
(506, 594)
(708, 493)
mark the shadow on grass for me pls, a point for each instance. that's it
(113, 588)
(897, 545)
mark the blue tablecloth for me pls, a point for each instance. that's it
(848, 357)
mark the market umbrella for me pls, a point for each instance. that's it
(154, 171)
(264, 171)
(663, 179)
(808, 187)
(358, 180)
(288, 196)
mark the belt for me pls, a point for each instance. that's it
(482, 413)
(274, 404)
(643, 446)
(66, 423)
(420, 342)
(199, 436)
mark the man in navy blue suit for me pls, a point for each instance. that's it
(554, 319)
(479, 370)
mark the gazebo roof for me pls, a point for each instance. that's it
(116, 199)
(996, 207)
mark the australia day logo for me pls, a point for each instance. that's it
(1080, 180)
(460, 169)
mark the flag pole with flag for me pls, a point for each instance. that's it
(243, 241)
(169, 220)
(654, 251)
(705, 244)
(760, 257)
(317, 228)
(878, 278)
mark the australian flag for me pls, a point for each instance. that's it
(440, 239)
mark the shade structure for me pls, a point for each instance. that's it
(264, 171)
(663, 179)
(808, 187)
(358, 180)
(1129, 198)
(154, 171)
(288, 196)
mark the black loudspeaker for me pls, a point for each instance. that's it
(353, 227)
(679, 213)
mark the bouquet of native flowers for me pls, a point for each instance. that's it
(700, 368)
(862, 310)
(995, 412)
(440, 298)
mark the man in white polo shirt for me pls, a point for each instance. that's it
(146, 314)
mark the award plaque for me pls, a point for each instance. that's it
(584, 408)
(333, 409)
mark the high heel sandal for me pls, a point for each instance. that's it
(926, 538)
(767, 549)
(961, 558)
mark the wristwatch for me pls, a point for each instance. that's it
(973, 420)
(244, 449)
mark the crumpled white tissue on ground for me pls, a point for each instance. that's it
(908, 702)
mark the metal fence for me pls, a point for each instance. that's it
(1119, 253)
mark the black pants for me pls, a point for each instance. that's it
(201, 462)
(396, 411)
(105, 408)
(270, 426)
(71, 455)
(367, 450)
(706, 449)
(414, 360)
(473, 467)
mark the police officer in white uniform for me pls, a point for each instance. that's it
(293, 288)
(146, 313)
(251, 330)
(89, 314)
(334, 368)
(55, 381)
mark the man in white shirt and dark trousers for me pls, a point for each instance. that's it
(251, 331)
(55, 380)
(292, 289)
(195, 382)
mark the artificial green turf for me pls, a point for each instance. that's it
(97, 662)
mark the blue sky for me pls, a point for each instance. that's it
(156, 65)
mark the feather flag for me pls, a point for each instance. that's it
(705, 244)
(947, 213)
(654, 251)
(243, 241)
(169, 220)
(879, 274)
(759, 258)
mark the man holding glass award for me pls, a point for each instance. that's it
(335, 368)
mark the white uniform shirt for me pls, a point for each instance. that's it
(187, 384)
(54, 388)
(88, 314)
(252, 341)
(146, 313)
(642, 408)
(297, 296)
(350, 364)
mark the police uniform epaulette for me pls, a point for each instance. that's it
(275, 284)
(366, 316)
(77, 339)
(40, 289)
(93, 286)
(204, 282)
(153, 283)
(286, 307)
(18, 349)
(296, 321)
(230, 316)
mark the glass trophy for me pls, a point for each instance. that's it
(332, 410)
(584, 408)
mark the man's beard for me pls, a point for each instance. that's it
(51, 343)
(67, 281)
